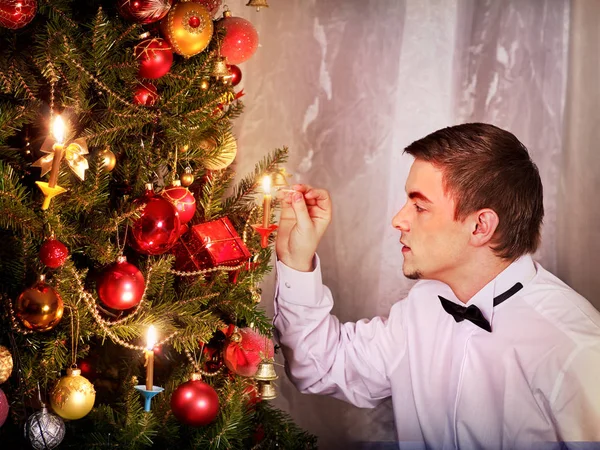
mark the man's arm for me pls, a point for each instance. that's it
(349, 361)
(575, 401)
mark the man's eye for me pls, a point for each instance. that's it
(418, 208)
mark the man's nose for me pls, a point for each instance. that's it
(400, 220)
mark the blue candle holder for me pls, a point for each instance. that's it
(148, 394)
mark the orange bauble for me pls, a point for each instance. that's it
(39, 308)
(188, 27)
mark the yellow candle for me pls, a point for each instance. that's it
(149, 353)
(266, 201)
(58, 129)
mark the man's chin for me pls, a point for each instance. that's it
(413, 275)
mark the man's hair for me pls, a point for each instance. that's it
(484, 166)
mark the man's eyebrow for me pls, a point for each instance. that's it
(418, 195)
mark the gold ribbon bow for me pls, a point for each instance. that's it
(73, 152)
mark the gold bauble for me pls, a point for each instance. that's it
(6, 364)
(226, 152)
(39, 308)
(188, 27)
(187, 178)
(109, 160)
(73, 396)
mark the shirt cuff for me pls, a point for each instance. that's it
(299, 288)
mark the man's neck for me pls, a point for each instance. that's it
(469, 280)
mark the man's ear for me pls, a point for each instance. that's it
(484, 224)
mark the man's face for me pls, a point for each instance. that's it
(434, 244)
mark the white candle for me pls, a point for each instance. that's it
(266, 201)
(149, 352)
(58, 130)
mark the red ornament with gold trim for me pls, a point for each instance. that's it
(16, 14)
(182, 199)
(155, 58)
(144, 11)
(145, 94)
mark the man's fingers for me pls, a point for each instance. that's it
(300, 209)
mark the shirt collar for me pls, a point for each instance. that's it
(522, 270)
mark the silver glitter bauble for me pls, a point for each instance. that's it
(44, 430)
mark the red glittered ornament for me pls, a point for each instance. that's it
(235, 75)
(145, 94)
(121, 285)
(4, 406)
(195, 403)
(183, 200)
(155, 58)
(212, 6)
(53, 253)
(16, 14)
(245, 350)
(241, 38)
(144, 11)
(157, 228)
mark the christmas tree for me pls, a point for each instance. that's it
(130, 260)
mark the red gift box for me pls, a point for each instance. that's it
(208, 245)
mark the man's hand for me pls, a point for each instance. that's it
(305, 215)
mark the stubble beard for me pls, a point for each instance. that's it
(416, 275)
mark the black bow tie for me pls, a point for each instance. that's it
(472, 312)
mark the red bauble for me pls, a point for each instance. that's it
(144, 11)
(157, 229)
(145, 94)
(240, 41)
(212, 6)
(242, 356)
(17, 13)
(3, 407)
(155, 57)
(183, 200)
(53, 253)
(195, 403)
(121, 285)
(236, 75)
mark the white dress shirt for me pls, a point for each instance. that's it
(531, 382)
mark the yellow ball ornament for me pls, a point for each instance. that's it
(188, 27)
(109, 160)
(6, 364)
(73, 396)
(226, 153)
(187, 178)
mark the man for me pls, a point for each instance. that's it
(489, 350)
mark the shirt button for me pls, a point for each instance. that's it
(288, 285)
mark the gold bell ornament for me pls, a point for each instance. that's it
(266, 371)
(220, 70)
(267, 391)
(73, 396)
(6, 364)
(258, 4)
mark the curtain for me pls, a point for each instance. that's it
(347, 84)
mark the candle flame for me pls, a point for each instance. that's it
(151, 337)
(58, 129)
(266, 182)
